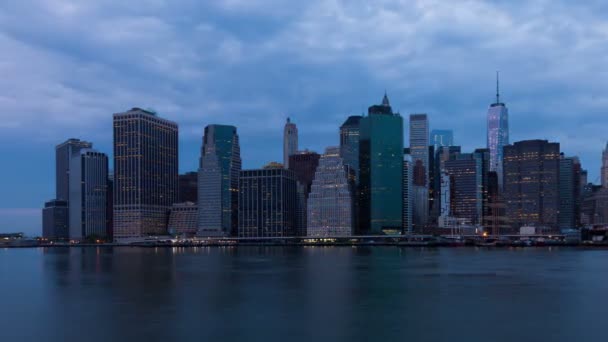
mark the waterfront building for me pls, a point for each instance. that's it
(88, 195)
(497, 134)
(290, 141)
(441, 137)
(381, 170)
(218, 181)
(63, 155)
(483, 155)
(55, 220)
(569, 192)
(188, 187)
(445, 195)
(183, 219)
(408, 192)
(466, 201)
(331, 200)
(267, 203)
(304, 165)
(419, 150)
(145, 172)
(531, 183)
(350, 133)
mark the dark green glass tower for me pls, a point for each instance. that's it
(381, 170)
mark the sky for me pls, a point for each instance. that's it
(67, 66)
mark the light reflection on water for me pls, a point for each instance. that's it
(311, 293)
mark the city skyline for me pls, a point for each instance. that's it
(322, 93)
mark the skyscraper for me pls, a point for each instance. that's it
(63, 155)
(218, 181)
(531, 183)
(442, 137)
(267, 203)
(466, 200)
(290, 141)
(407, 188)
(145, 172)
(349, 143)
(88, 195)
(331, 200)
(304, 165)
(569, 192)
(381, 165)
(419, 150)
(183, 219)
(605, 167)
(498, 134)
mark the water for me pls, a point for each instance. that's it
(303, 294)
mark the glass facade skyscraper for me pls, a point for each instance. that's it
(498, 134)
(88, 195)
(349, 143)
(63, 154)
(441, 137)
(466, 200)
(304, 165)
(331, 200)
(145, 173)
(218, 181)
(381, 170)
(419, 150)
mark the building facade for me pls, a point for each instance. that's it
(145, 173)
(218, 181)
(497, 134)
(531, 183)
(441, 137)
(290, 141)
(88, 195)
(63, 154)
(188, 187)
(381, 170)
(604, 170)
(183, 219)
(267, 203)
(466, 200)
(408, 175)
(419, 150)
(331, 206)
(55, 220)
(350, 133)
(304, 165)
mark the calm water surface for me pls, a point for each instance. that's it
(303, 294)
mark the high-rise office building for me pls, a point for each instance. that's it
(331, 200)
(290, 141)
(304, 165)
(55, 220)
(441, 137)
(531, 183)
(497, 134)
(267, 203)
(381, 170)
(188, 187)
(218, 181)
(604, 173)
(569, 192)
(63, 155)
(88, 195)
(407, 188)
(419, 150)
(350, 133)
(145, 172)
(466, 200)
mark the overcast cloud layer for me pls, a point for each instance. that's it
(66, 66)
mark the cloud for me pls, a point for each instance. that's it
(71, 64)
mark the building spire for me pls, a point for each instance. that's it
(385, 101)
(497, 87)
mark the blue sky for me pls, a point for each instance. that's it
(66, 66)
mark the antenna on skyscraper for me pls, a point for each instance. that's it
(497, 86)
